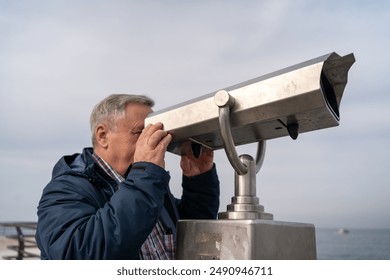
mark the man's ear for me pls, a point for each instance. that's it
(101, 135)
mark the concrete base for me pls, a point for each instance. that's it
(245, 240)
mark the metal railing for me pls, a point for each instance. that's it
(24, 234)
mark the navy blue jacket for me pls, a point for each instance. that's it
(83, 214)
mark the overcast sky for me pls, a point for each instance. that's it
(59, 58)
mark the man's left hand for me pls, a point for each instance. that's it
(192, 165)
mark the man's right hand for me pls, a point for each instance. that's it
(152, 145)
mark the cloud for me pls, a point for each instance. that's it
(60, 58)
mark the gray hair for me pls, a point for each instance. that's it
(113, 108)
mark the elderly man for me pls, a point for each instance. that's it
(113, 201)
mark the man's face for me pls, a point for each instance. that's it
(122, 139)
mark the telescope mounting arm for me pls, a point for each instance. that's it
(225, 103)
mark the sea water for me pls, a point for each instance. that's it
(355, 244)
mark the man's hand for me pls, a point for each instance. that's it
(152, 145)
(193, 166)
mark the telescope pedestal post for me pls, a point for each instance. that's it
(245, 203)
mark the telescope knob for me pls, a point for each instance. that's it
(222, 99)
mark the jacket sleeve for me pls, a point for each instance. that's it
(75, 222)
(200, 199)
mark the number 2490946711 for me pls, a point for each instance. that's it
(253, 270)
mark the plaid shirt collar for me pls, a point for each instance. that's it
(108, 169)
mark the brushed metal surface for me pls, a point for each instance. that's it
(245, 240)
(306, 95)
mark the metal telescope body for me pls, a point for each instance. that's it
(301, 98)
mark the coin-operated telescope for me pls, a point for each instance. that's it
(301, 98)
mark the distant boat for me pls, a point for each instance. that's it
(343, 231)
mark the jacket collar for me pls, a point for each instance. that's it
(84, 165)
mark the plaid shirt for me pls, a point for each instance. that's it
(158, 245)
